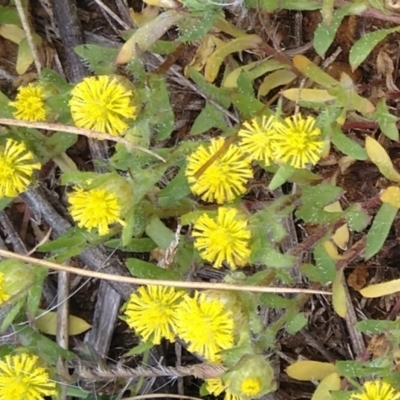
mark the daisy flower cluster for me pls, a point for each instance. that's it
(99, 103)
(23, 378)
(206, 323)
(219, 172)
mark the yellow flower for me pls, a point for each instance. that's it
(205, 324)
(252, 377)
(151, 312)
(297, 141)
(29, 103)
(257, 139)
(94, 208)
(16, 169)
(22, 379)
(4, 296)
(376, 390)
(225, 178)
(250, 387)
(223, 238)
(102, 104)
(216, 387)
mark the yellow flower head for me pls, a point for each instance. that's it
(223, 238)
(297, 141)
(151, 312)
(225, 178)
(251, 378)
(4, 296)
(216, 387)
(205, 324)
(29, 103)
(376, 390)
(22, 379)
(16, 169)
(102, 104)
(94, 208)
(257, 139)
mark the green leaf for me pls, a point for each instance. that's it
(139, 349)
(159, 233)
(159, 107)
(375, 327)
(324, 35)
(141, 245)
(100, 59)
(213, 92)
(145, 270)
(380, 229)
(194, 28)
(357, 218)
(59, 142)
(9, 16)
(263, 252)
(49, 351)
(176, 190)
(314, 198)
(363, 47)
(346, 145)
(247, 106)
(281, 176)
(311, 272)
(324, 263)
(71, 239)
(386, 120)
(275, 301)
(357, 369)
(209, 117)
(296, 324)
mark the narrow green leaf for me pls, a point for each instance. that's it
(346, 145)
(358, 369)
(324, 262)
(281, 176)
(296, 324)
(324, 34)
(363, 47)
(145, 270)
(159, 233)
(380, 229)
(375, 327)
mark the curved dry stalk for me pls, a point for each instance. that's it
(139, 281)
(78, 131)
(28, 33)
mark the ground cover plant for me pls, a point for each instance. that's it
(199, 199)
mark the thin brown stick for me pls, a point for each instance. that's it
(139, 281)
(77, 131)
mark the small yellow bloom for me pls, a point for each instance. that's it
(225, 178)
(297, 141)
(257, 139)
(22, 379)
(376, 390)
(4, 296)
(151, 312)
(94, 208)
(250, 387)
(205, 324)
(223, 238)
(102, 104)
(216, 387)
(29, 103)
(16, 169)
